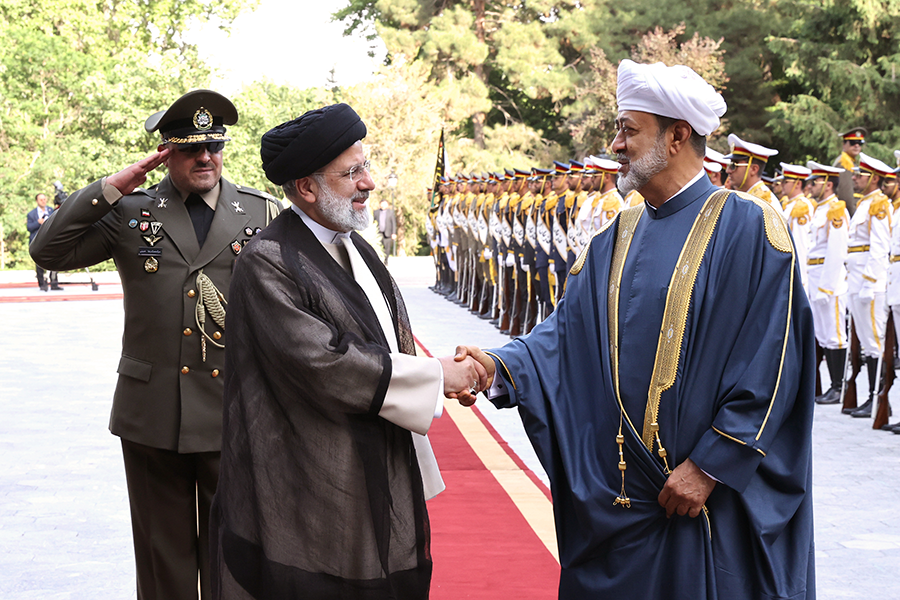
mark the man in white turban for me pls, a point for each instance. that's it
(670, 395)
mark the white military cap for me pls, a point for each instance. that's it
(675, 92)
(897, 156)
(741, 148)
(715, 157)
(795, 171)
(870, 164)
(604, 164)
(712, 167)
(820, 170)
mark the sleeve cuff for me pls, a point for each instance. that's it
(110, 193)
(726, 459)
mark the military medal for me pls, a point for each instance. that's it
(151, 265)
(155, 226)
(248, 231)
(133, 223)
(257, 230)
(151, 239)
(162, 203)
(236, 247)
(145, 213)
(237, 207)
(144, 225)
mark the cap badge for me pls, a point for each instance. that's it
(203, 119)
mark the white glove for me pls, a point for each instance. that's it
(867, 292)
(510, 259)
(488, 255)
(525, 267)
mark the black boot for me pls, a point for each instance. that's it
(865, 411)
(834, 360)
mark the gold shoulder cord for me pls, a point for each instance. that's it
(628, 220)
(209, 299)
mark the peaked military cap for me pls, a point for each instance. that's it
(197, 117)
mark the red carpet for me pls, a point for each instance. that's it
(482, 545)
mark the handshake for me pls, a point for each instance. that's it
(468, 372)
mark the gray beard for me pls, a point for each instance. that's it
(643, 169)
(339, 210)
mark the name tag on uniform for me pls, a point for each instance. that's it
(148, 251)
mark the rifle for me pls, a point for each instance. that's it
(820, 354)
(852, 364)
(883, 406)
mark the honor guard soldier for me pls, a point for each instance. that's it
(607, 201)
(852, 142)
(827, 274)
(565, 230)
(174, 245)
(746, 169)
(891, 189)
(505, 254)
(554, 236)
(867, 264)
(798, 210)
(713, 171)
(712, 157)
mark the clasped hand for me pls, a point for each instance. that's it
(468, 372)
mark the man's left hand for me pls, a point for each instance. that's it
(686, 490)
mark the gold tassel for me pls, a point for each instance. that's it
(622, 499)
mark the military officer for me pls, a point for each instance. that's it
(607, 202)
(891, 189)
(174, 245)
(867, 264)
(746, 169)
(852, 142)
(712, 157)
(827, 274)
(798, 210)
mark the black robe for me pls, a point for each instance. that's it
(318, 496)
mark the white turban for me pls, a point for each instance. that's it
(675, 92)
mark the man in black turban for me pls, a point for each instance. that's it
(325, 464)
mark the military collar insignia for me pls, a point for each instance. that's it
(237, 207)
(203, 119)
(162, 203)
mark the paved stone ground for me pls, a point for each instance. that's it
(64, 525)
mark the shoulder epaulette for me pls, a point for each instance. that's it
(257, 193)
(879, 207)
(836, 210)
(800, 209)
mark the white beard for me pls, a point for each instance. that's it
(643, 169)
(339, 210)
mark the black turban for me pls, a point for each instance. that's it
(301, 147)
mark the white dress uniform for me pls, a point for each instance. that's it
(892, 297)
(867, 262)
(798, 211)
(826, 273)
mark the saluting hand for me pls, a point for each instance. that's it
(131, 177)
(686, 490)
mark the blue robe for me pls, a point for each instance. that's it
(741, 408)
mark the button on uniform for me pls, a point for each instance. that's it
(185, 370)
(191, 293)
(215, 373)
(188, 331)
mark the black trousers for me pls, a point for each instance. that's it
(40, 277)
(170, 495)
